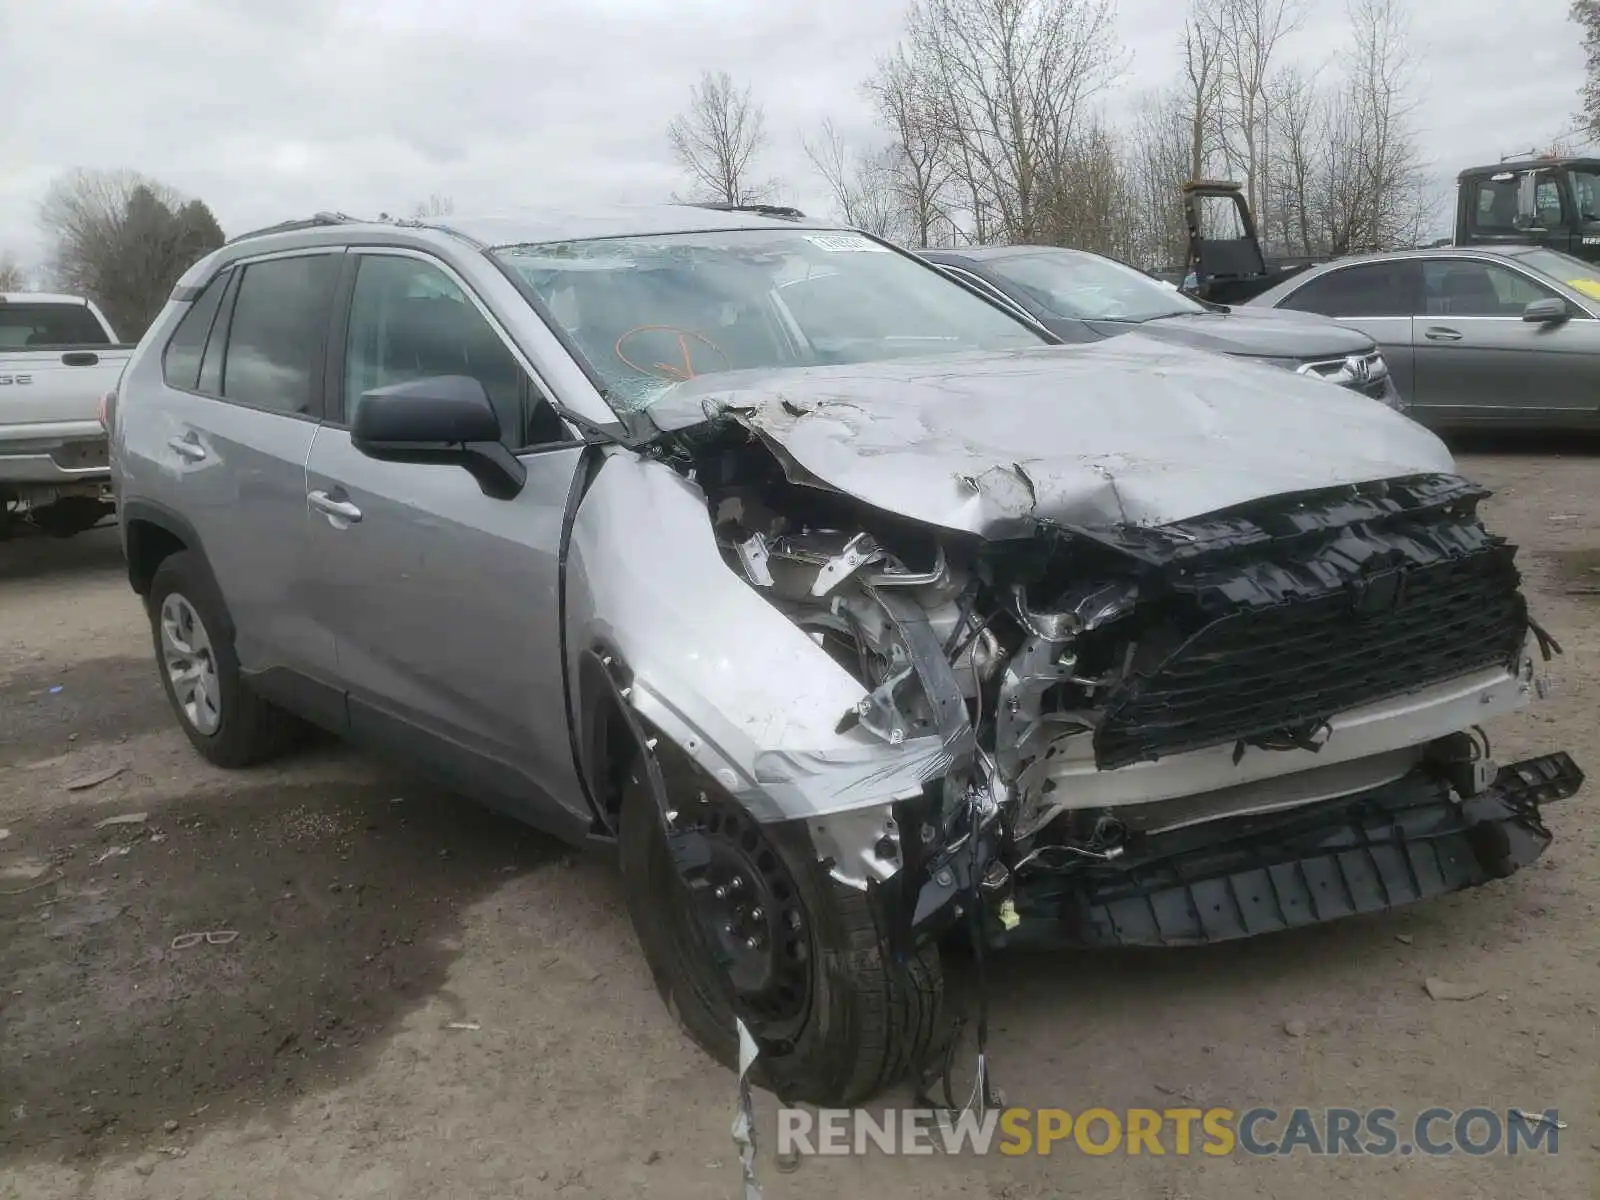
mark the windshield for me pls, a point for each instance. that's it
(1574, 272)
(649, 312)
(48, 326)
(1069, 283)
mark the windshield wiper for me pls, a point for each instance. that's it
(595, 433)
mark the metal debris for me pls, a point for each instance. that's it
(1539, 1119)
(110, 852)
(1441, 989)
(95, 779)
(744, 1126)
(39, 883)
(469, 1026)
(138, 818)
(211, 937)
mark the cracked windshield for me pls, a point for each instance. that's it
(648, 312)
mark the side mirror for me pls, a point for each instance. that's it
(441, 419)
(1552, 310)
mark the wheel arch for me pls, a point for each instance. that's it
(152, 533)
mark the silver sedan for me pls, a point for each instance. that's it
(1474, 337)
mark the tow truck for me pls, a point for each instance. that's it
(1547, 200)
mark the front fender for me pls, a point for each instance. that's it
(743, 691)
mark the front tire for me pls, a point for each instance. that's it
(848, 1024)
(225, 721)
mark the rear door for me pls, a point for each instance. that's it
(243, 390)
(1378, 298)
(1479, 362)
(444, 603)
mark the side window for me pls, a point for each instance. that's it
(277, 333)
(409, 320)
(1538, 200)
(180, 362)
(1369, 290)
(211, 362)
(1468, 288)
(1496, 204)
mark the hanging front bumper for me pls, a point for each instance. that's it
(1408, 840)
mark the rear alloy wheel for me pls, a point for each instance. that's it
(762, 929)
(191, 667)
(225, 721)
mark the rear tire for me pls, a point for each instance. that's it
(225, 721)
(866, 1019)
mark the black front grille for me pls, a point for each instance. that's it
(1370, 616)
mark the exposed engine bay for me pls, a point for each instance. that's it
(1160, 734)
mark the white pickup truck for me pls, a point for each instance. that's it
(58, 359)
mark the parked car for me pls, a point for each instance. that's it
(58, 359)
(1083, 297)
(839, 602)
(1474, 337)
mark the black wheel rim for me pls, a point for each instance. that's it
(740, 923)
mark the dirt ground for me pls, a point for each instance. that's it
(422, 999)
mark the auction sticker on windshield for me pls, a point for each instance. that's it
(843, 242)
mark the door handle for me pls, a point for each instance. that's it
(329, 506)
(188, 447)
(1439, 334)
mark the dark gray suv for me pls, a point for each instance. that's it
(1084, 297)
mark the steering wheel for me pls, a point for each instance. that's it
(684, 369)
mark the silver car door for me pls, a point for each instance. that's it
(1479, 361)
(1375, 297)
(444, 602)
(242, 388)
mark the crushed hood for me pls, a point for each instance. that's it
(1125, 431)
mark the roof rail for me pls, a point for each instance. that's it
(311, 222)
(782, 212)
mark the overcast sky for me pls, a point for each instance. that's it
(268, 109)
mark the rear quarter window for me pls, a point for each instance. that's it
(180, 363)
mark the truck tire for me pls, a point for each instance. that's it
(226, 722)
(839, 1019)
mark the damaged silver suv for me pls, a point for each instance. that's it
(847, 608)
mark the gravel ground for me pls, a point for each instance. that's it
(421, 999)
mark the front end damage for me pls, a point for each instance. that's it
(1140, 735)
(1059, 701)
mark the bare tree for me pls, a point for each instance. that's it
(860, 180)
(717, 140)
(1159, 154)
(1393, 205)
(1247, 34)
(1010, 82)
(12, 277)
(123, 240)
(1587, 14)
(1298, 148)
(918, 159)
(434, 207)
(1091, 206)
(1202, 68)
